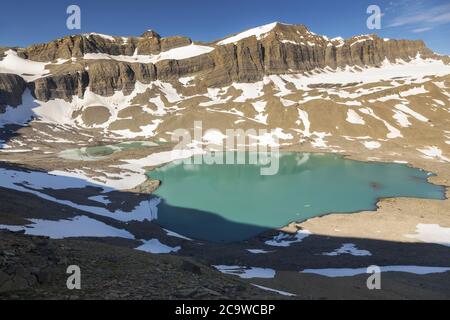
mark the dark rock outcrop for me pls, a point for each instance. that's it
(102, 77)
(2, 51)
(26, 263)
(105, 77)
(11, 89)
(62, 86)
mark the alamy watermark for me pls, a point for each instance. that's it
(73, 21)
(374, 281)
(234, 147)
(74, 280)
(374, 20)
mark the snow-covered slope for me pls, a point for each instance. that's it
(258, 32)
(27, 69)
(180, 53)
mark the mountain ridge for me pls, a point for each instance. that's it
(326, 94)
(77, 62)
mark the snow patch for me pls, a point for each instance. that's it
(180, 53)
(348, 248)
(349, 272)
(249, 91)
(160, 158)
(371, 145)
(186, 80)
(415, 70)
(393, 132)
(27, 69)
(432, 233)
(412, 113)
(101, 35)
(413, 92)
(440, 102)
(304, 118)
(21, 114)
(283, 293)
(80, 226)
(38, 182)
(247, 272)
(176, 235)
(258, 32)
(354, 118)
(402, 119)
(156, 247)
(286, 102)
(433, 152)
(258, 251)
(213, 136)
(286, 240)
(260, 107)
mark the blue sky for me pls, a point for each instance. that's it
(28, 22)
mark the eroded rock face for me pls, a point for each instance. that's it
(2, 51)
(11, 89)
(102, 77)
(285, 49)
(174, 42)
(77, 46)
(296, 48)
(288, 49)
(63, 86)
(106, 77)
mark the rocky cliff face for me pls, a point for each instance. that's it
(283, 49)
(294, 49)
(62, 86)
(103, 77)
(150, 43)
(11, 90)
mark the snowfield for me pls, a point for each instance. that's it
(180, 53)
(38, 183)
(258, 32)
(78, 227)
(349, 272)
(156, 247)
(432, 233)
(27, 69)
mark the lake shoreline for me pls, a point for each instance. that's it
(382, 232)
(440, 177)
(433, 178)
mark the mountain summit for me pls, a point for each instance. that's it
(323, 92)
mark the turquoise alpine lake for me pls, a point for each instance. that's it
(227, 203)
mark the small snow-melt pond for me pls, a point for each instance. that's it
(225, 203)
(97, 153)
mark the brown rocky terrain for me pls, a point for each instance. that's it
(285, 49)
(11, 89)
(35, 268)
(83, 119)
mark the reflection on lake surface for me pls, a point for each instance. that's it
(234, 202)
